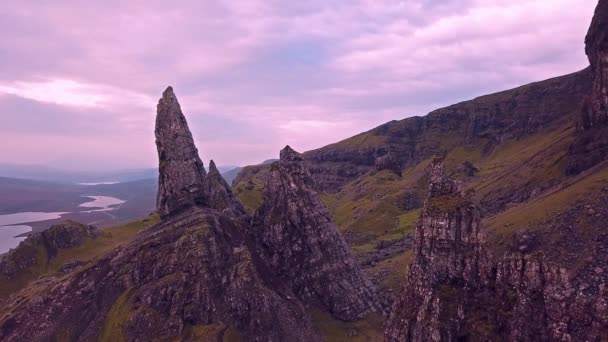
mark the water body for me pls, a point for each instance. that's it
(10, 225)
(102, 203)
(8, 237)
(12, 219)
(10, 228)
(100, 183)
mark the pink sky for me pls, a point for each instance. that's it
(79, 83)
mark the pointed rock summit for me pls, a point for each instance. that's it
(297, 239)
(181, 172)
(455, 291)
(219, 195)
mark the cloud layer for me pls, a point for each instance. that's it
(79, 82)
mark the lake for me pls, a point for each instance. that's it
(10, 225)
(102, 203)
(8, 237)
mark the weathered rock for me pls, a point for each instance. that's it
(219, 195)
(297, 238)
(596, 48)
(181, 181)
(388, 162)
(455, 291)
(193, 269)
(45, 245)
(591, 144)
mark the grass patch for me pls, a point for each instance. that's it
(408, 221)
(250, 194)
(530, 215)
(114, 325)
(368, 329)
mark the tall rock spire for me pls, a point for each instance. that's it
(181, 180)
(297, 239)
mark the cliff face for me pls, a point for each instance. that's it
(454, 290)
(298, 240)
(591, 144)
(486, 121)
(596, 48)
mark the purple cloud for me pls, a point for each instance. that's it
(79, 82)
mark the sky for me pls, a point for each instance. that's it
(80, 80)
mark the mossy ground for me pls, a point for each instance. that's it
(114, 325)
(250, 194)
(368, 329)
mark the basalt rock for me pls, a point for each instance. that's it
(388, 162)
(181, 181)
(42, 246)
(591, 144)
(195, 271)
(219, 195)
(192, 270)
(456, 291)
(596, 48)
(297, 239)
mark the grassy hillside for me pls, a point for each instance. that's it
(510, 147)
(48, 264)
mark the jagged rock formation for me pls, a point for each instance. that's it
(296, 237)
(203, 269)
(591, 144)
(194, 269)
(456, 291)
(219, 195)
(596, 48)
(181, 180)
(60, 236)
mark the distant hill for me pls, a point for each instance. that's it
(50, 174)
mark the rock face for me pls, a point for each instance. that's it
(218, 194)
(596, 48)
(60, 236)
(296, 238)
(204, 271)
(591, 144)
(455, 291)
(181, 181)
(194, 269)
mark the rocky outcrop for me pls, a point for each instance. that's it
(455, 290)
(591, 144)
(388, 162)
(193, 270)
(296, 238)
(218, 194)
(40, 247)
(596, 48)
(181, 181)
